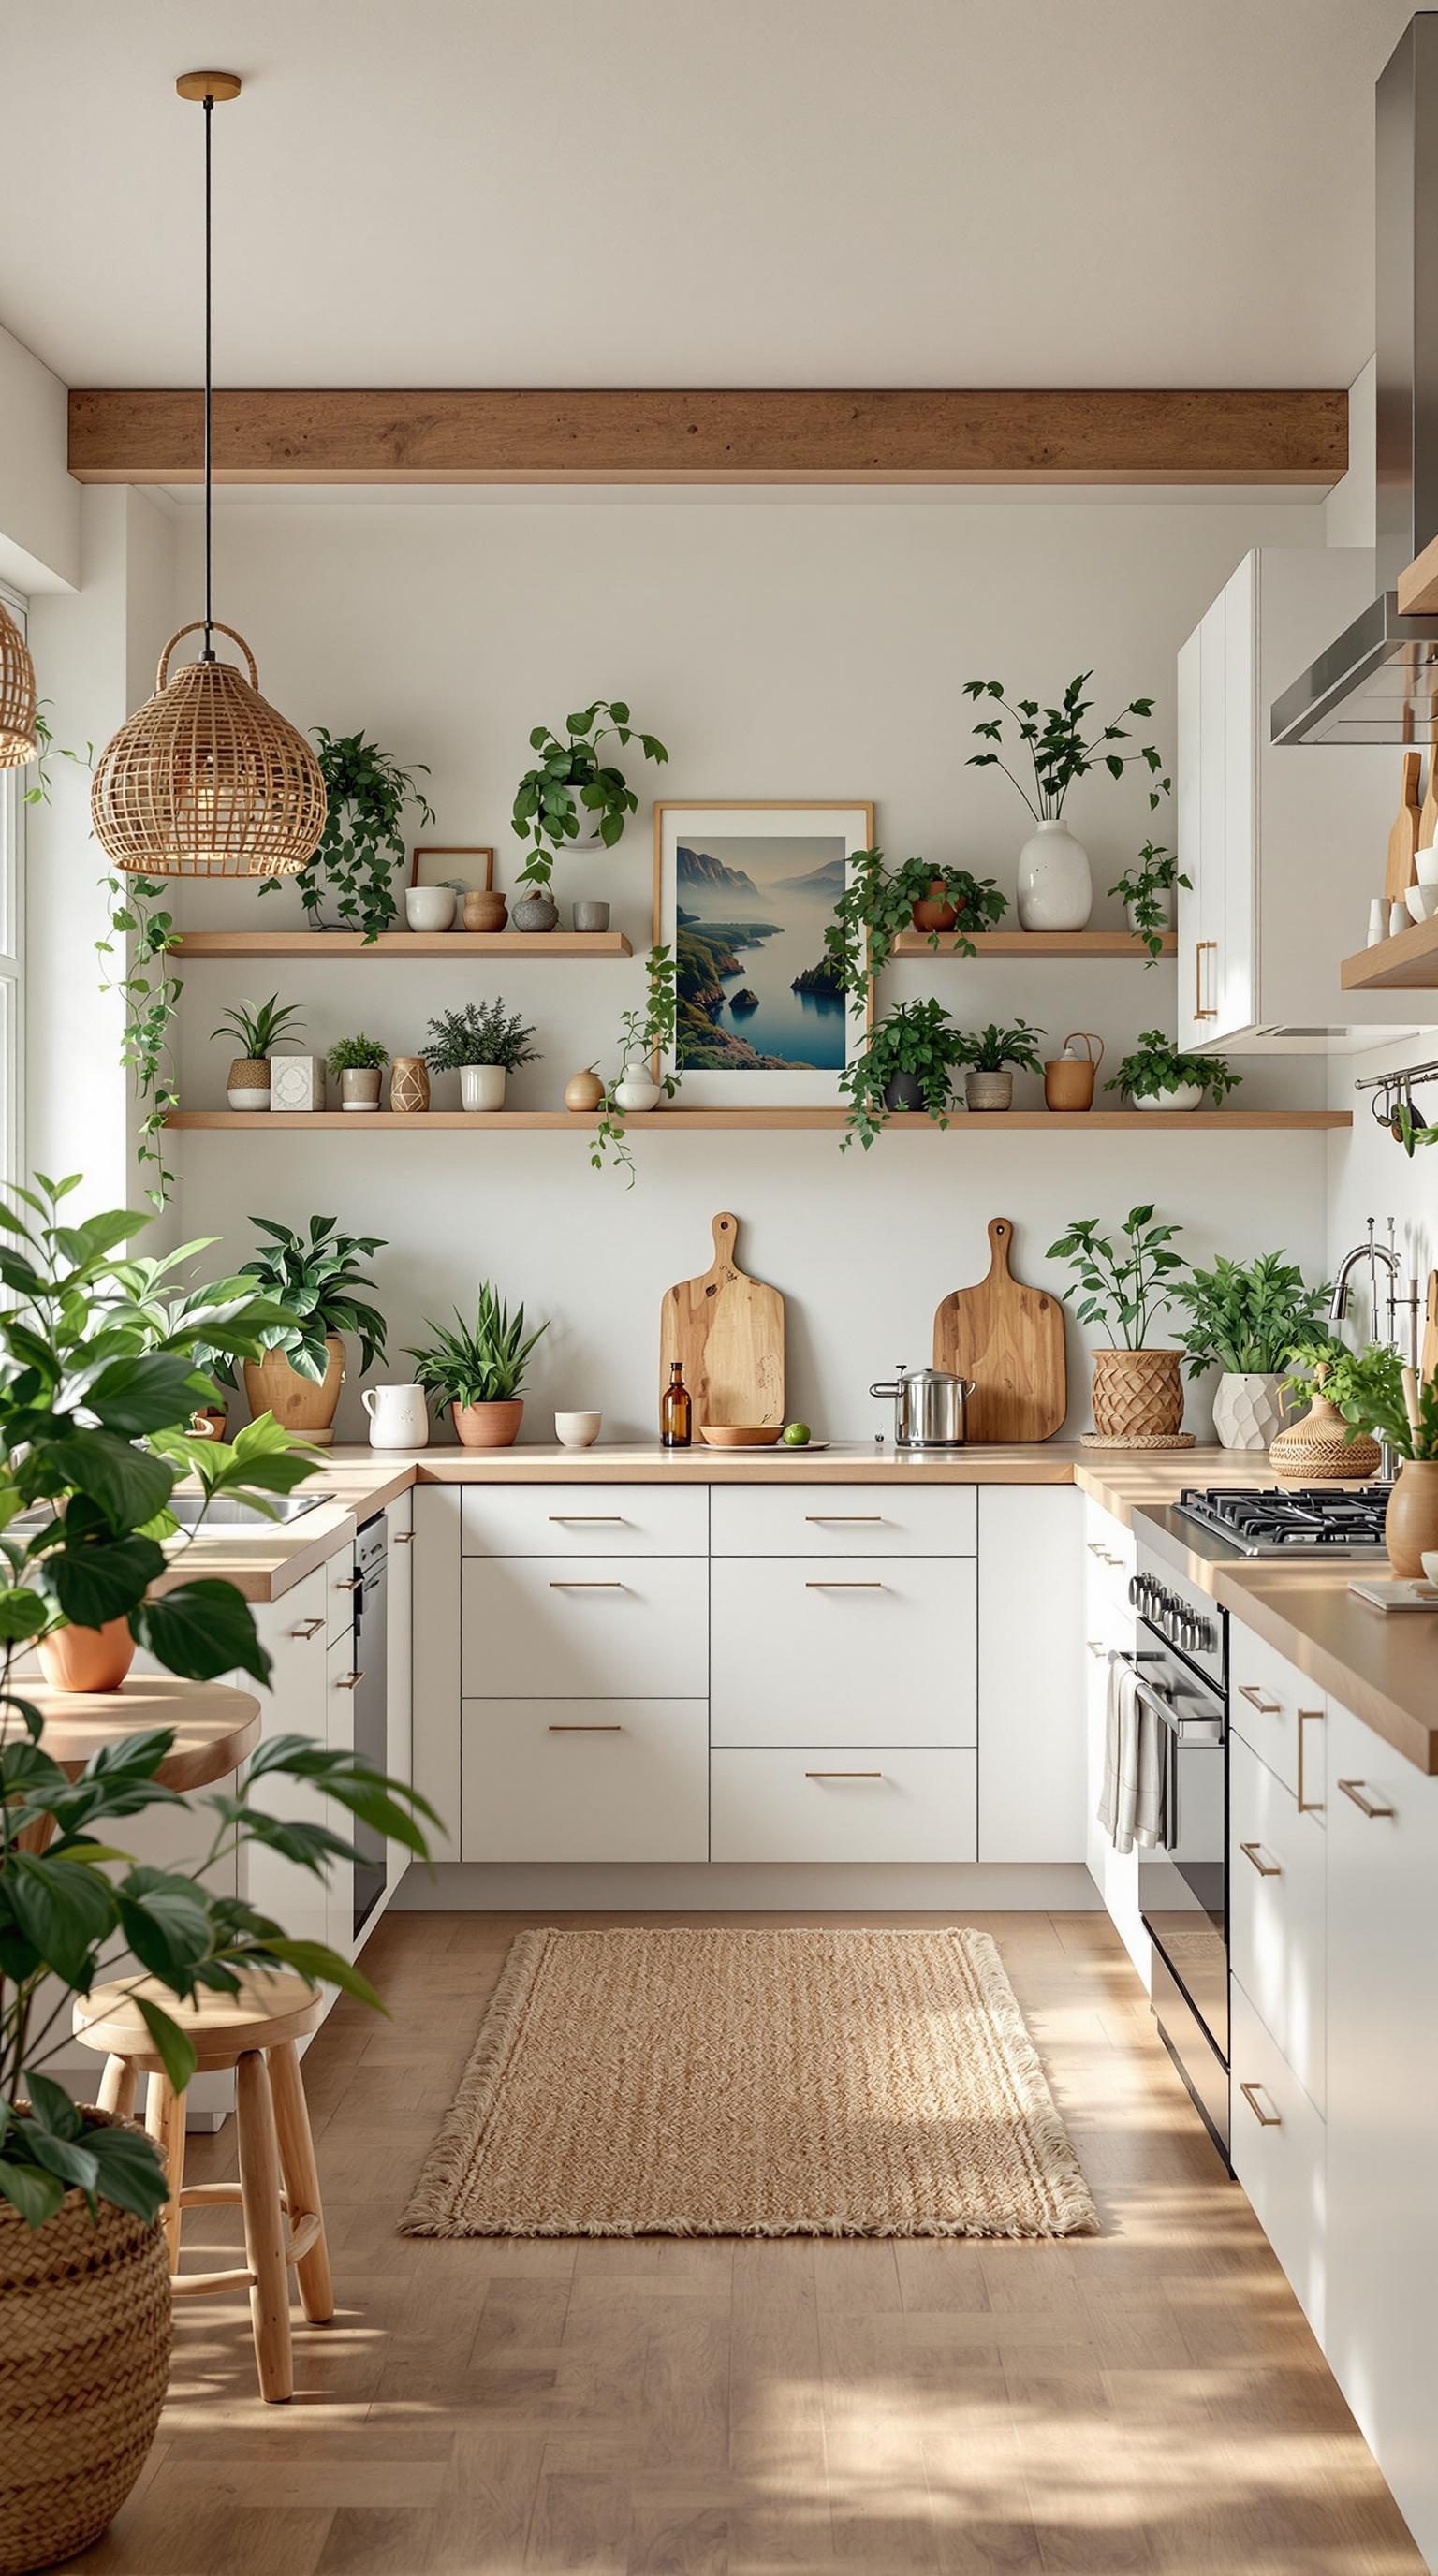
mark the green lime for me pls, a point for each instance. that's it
(797, 1435)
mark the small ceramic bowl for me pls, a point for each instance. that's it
(741, 1435)
(1422, 901)
(1426, 863)
(577, 1430)
(429, 907)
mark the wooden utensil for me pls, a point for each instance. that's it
(1428, 1355)
(727, 1330)
(1403, 839)
(1428, 819)
(1010, 1340)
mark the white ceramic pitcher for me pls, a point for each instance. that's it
(398, 1416)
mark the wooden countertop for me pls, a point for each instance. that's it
(215, 1727)
(1383, 1665)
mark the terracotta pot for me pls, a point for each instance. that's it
(583, 1091)
(1137, 1395)
(488, 1426)
(485, 911)
(408, 1086)
(1410, 1526)
(1313, 1450)
(934, 911)
(87, 1659)
(272, 1386)
(208, 1421)
(84, 2360)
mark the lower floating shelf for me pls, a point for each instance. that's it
(1104, 1122)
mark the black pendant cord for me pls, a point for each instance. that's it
(209, 653)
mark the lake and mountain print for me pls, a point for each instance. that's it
(755, 990)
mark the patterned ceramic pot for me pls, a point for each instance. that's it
(408, 1086)
(1249, 1408)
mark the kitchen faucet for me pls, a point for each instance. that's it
(1373, 1253)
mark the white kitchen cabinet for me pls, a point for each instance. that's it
(399, 1747)
(844, 1520)
(293, 1630)
(1278, 1711)
(843, 1802)
(435, 1659)
(585, 1520)
(340, 1678)
(1281, 845)
(1031, 1681)
(586, 1780)
(585, 1627)
(805, 1650)
(1108, 1628)
(1278, 2155)
(1277, 1912)
(1383, 2108)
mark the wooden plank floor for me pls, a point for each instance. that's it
(1150, 2400)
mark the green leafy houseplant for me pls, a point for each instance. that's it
(1367, 1388)
(646, 1040)
(483, 1363)
(257, 1027)
(917, 1040)
(878, 903)
(1157, 1066)
(481, 1033)
(991, 1049)
(1125, 1284)
(570, 780)
(1248, 1318)
(356, 1055)
(316, 1279)
(362, 843)
(1142, 890)
(1058, 744)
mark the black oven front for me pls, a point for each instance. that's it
(1183, 1880)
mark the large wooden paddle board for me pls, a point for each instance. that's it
(728, 1330)
(1010, 1340)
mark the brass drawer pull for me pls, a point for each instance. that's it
(1096, 1647)
(348, 1681)
(1199, 946)
(581, 1583)
(874, 1518)
(1095, 1547)
(1307, 1806)
(611, 1520)
(349, 1583)
(840, 1583)
(1265, 2119)
(402, 1538)
(586, 1730)
(1258, 1699)
(307, 1628)
(1371, 1807)
(1265, 1868)
(843, 1775)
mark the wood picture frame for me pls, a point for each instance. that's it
(440, 875)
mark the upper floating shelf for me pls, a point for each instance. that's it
(1035, 943)
(1408, 963)
(402, 943)
(1103, 1122)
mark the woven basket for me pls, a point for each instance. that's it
(1137, 1394)
(17, 695)
(1313, 1451)
(84, 2360)
(207, 780)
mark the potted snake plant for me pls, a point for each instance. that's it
(477, 1371)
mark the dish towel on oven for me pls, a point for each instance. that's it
(1131, 1809)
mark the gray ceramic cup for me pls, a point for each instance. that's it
(591, 916)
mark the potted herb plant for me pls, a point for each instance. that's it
(315, 1277)
(1247, 1319)
(352, 871)
(478, 1370)
(909, 1062)
(992, 1055)
(484, 1045)
(1056, 745)
(1146, 892)
(256, 1028)
(1378, 1397)
(573, 797)
(356, 1064)
(1325, 1445)
(1158, 1076)
(878, 902)
(1137, 1385)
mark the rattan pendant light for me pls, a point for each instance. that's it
(207, 779)
(18, 741)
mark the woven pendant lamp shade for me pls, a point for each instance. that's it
(207, 780)
(17, 695)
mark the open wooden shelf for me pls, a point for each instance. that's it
(1408, 963)
(1104, 1122)
(402, 943)
(1034, 943)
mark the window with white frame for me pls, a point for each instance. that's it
(13, 783)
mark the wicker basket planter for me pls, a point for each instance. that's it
(1137, 1395)
(297, 1403)
(1313, 1450)
(84, 2361)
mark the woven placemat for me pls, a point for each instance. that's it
(1147, 1440)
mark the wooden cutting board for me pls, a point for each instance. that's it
(1428, 1348)
(1428, 818)
(1403, 839)
(1010, 1340)
(728, 1330)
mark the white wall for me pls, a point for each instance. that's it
(39, 504)
(786, 647)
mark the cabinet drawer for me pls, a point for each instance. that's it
(1277, 1911)
(575, 1780)
(585, 1520)
(768, 1805)
(883, 1652)
(338, 1573)
(1278, 2155)
(1265, 1694)
(584, 1627)
(844, 1520)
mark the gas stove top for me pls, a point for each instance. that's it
(1309, 1520)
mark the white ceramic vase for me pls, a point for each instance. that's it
(637, 1089)
(1055, 887)
(481, 1086)
(1249, 1409)
(1185, 1095)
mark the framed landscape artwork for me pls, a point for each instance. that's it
(743, 894)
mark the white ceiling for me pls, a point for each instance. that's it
(698, 192)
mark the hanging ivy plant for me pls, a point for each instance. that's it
(878, 903)
(642, 1035)
(571, 787)
(362, 844)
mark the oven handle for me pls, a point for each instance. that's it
(1187, 1730)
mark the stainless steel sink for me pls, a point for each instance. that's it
(226, 1512)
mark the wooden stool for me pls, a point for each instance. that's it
(255, 2032)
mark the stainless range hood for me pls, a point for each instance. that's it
(1378, 682)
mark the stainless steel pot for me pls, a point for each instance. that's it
(930, 1407)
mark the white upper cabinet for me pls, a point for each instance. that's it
(1284, 847)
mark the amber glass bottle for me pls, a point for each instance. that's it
(676, 1411)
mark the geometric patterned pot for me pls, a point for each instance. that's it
(1249, 1409)
(1137, 1395)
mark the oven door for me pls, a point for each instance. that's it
(1183, 1883)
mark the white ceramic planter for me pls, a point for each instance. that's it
(248, 1099)
(429, 907)
(1249, 1410)
(481, 1086)
(1055, 889)
(1163, 905)
(1186, 1095)
(637, 1089)
(989, 1090)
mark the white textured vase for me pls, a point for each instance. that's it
(1185, 1095)
(637, 1089)
(1055, 886)
(481, 1086)
(1249, 1410)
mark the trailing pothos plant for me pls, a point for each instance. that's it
(878, 902)
(1143, 890)
(1157, 1065)
(94, 1397)
(362, 844)
(1058, 744)
(915, 1038)
(645, 1037)
(570, 780)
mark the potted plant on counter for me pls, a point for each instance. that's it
(256, 1028)
(992, 1055)
(478, 1370)
(1158, 1076)
(316, 1279)
(1146, 892)
(910, 1062)
(484, 1045)
(1137, 1385)
(1056, 745)
(356, 1064)
(1380, 1399)
(353, 869)
(879, 902)
(572, 797)
(1247, 1319)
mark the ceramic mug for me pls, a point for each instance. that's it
(577, 1430)
(398, 1416)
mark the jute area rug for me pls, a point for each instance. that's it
(738, 2083)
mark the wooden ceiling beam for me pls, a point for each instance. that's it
(768, 436)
